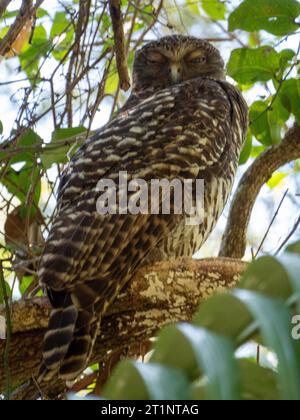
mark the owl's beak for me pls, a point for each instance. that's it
(175, 72)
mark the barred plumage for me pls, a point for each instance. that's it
(183, 121)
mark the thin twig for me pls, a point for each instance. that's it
(284, 243)
(271, 224)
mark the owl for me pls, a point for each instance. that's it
(182, 121)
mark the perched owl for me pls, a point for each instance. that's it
(182, 121)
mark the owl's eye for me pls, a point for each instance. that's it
(155, 57)
(199, 60)
(196, 57)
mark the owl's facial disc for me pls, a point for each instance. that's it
(175, 59)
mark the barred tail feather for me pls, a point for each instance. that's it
(74, 326)
(79, 352)
(60, 330)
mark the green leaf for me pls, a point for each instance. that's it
(31, 55)
(61, 144)
(1, 128)
(274, 320)
(276, 179)
(247, 149)
(199, 350)
(294, 248)
(63, 28)
(274, 16)
(258, 383)
(139, 381)
(19, 183)
(289, 95)
(41, 13)
(25, 283)
(275, 284)
(112, 82)
(248, 66)
(286, 57)
(263, 125)
(291, 264)
(216, 9)
(29, 140)
(223, 314)
(60, 24)
(257, 151)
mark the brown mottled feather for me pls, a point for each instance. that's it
(192, 129)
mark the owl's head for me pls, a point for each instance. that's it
(174, 59)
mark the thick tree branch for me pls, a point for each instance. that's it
(158, 295)
(120, 43)
(234, 241)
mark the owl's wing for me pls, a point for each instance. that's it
(176, 133)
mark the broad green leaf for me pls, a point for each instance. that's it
(274, 16)
(216, 9)
(247, 149)
(282, 284)
(41, 13)
(62, 33)
(289, 95)
(61, 144)
(274, 321)
(139, 381)
(280, 113)
(257, 383)
(267, 276)
(1, 127)
(286, 57)
(291, 265)
(200, 351)
(20, 182)
(248, 66)
(60, 24)
(29, 140)
(263, 124)
(223, 314)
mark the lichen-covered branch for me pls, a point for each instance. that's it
(120, 43)
(234, 241)
(158, 295)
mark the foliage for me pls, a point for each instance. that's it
(204, 364)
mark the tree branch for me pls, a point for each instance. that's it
(234, 241)
(120, 43)
(27, 12)
(160, 294)
(3, 6)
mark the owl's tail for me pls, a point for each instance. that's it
(73, 328)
